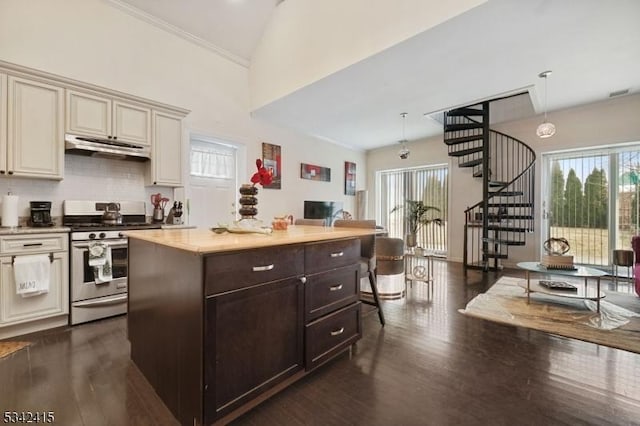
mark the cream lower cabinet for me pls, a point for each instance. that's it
(34, 143)
(95, 115)
(166, 152)
(20, 315)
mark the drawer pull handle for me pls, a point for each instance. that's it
(335, 287)
(32, 245)
(338, 332)
(263, 268)
(338, 254)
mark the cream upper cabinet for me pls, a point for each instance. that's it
(95, 115)
(166, 152)
(35, 130)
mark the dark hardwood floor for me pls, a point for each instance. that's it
(429, 365)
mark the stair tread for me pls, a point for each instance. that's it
(462, 126)
(477, 173)
(471, 163)
(462, 139)
(505, 242)
(507, 228)
(506, 193)
(464, 152)
(465, 111)
(497, 183)
(507, 204)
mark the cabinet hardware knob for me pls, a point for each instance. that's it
(338, 254)
(115, 137)
(263, 268)
(335, 287)
(10, 172)
(1, 172)
(338, 332)
(303, 280)
(109, 136)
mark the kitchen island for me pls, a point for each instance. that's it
(220, 322)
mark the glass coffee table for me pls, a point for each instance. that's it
(561, 290)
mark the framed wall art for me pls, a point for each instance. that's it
(272, 159)
(309, 171)
(349, 178)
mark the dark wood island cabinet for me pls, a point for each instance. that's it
(218, 323)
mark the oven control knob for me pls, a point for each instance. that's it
(92, 236)
(102, 235)
(120, 234)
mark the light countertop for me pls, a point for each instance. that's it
(205, 241)
(33, 230)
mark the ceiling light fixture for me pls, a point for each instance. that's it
(404, 151)
(545, 129)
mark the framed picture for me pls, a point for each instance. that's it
(309, 171)
(349, 178)
(272, 160)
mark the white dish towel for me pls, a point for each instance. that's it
(32, 274)
(100, 259)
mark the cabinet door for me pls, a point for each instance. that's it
(17, 309)
(253, 341)
(3, 122)
(132, 123)
(88, 114)
(35, 141)
(166, 151)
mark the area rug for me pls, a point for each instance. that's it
(616, 325)
(7, 348)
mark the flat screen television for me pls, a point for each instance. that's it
(327, 210)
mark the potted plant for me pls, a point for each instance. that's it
(417, 214)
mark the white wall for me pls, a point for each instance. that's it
(93, 42)
(306, 40)
(604, 123)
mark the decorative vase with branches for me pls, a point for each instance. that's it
(417, 214)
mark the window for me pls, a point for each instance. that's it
(211, 159)
(592, 200)
(426, 184)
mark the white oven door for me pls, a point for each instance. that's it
(83, 282)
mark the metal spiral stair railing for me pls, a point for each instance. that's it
(505, 214)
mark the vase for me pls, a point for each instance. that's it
(248, 201)
(410, 239)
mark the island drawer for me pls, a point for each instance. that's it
(236, 270)
(331, 334)
(323, 256)
(331, 290)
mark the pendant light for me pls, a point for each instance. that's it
(404, 151)
(545, 129)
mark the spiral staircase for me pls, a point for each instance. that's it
(504, 166)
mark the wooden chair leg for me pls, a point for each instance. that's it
(374, 290)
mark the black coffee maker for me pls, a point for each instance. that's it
(40, 213)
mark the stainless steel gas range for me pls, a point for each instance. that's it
(92, 295)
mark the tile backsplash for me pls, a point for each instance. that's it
(85, 178)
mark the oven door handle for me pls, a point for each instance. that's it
(102, 301)
(110, 243)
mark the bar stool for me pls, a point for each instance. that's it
(622, 258)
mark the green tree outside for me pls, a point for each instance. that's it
(595, 203)
(573, 201)
(556, 203)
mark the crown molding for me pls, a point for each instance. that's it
(159, 23)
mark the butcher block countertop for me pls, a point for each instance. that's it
(205, 241)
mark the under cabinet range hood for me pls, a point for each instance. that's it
(97, 147)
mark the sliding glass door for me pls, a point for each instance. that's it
(591, 199)
(426, 184)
